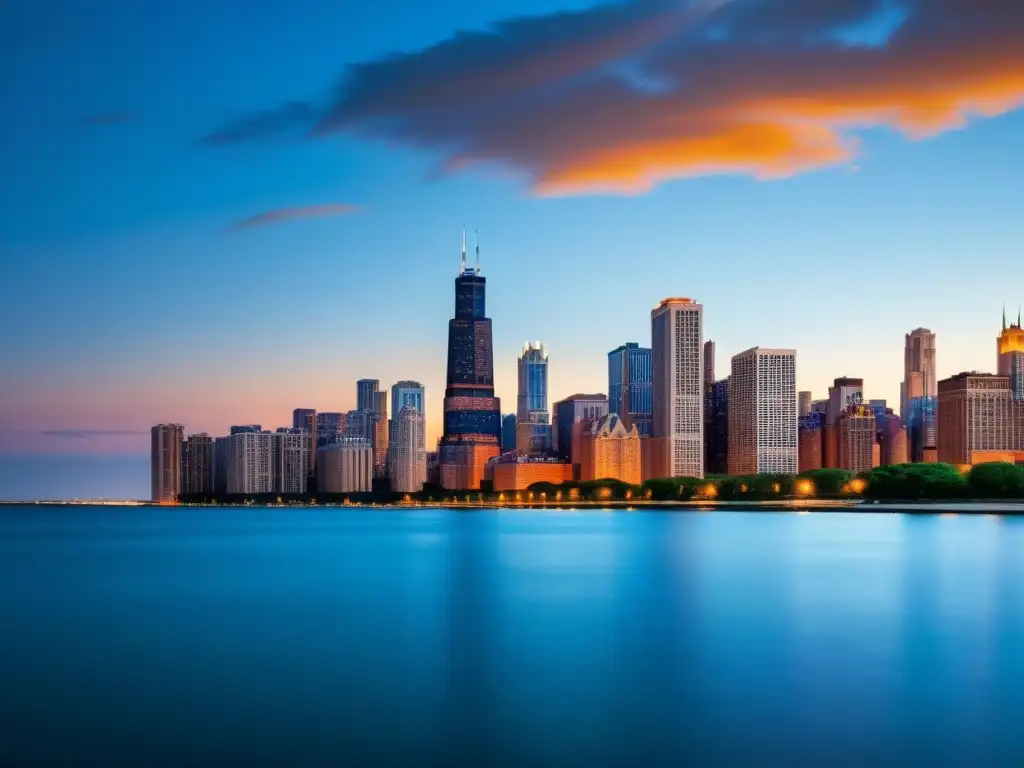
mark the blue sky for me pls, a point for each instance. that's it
(831, 213)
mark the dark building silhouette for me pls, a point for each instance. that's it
(716, 427)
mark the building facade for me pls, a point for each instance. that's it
(762, 413)
(716, 427)
(330, 427)
(533, 422)
(844, 393)
(381, 431)
(893, 442)
(569, 412)
(610, 451)
(305, 420)
(810, 442)
(855, 438)
(197, 464)
(346, 467)
(291, 448)
(630, 386)
(678, 388)
(1010, 356)
(408, 449)
(250, 463)
(508, 432)
(472, 414)
(511, 472)
(804, 401)
(975, 415)
(366, 394)
(408, 393)
(165, 462)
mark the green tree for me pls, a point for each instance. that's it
(827, 482)
(996, 480)
(662, 488)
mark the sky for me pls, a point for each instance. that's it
(215, 211)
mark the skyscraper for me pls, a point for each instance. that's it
(330, 426)
(678, 388)
(408, 393)
(250, 463)
(508, 432)
(843, 393)
(709, 362)
(569, 412)
(716, 427)
(305, 419)
(290, 460)
(408, 450)
(165, 461)
(366, 392)
(804, 400)
(855, 438)
(197, 465)
(629, 386)
(918, 366)
(1010, 356)
(472, 414)
(975, 416)
(380, 435)
(533, 423)
(762, 412)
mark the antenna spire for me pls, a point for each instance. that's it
(464, 253)
(1018, 315)
(476, 237)
(1004, 317)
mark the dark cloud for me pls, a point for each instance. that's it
(287, 214)
(90, 433)
(269, 123)
(763, 87)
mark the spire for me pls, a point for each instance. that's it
(464, 262)
(1018, 315)
(476, 237)
(1004, 314)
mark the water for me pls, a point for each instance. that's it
(344, 637)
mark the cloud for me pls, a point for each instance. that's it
(286, 214)
(268, 123)
(90, 433)
(621, 97)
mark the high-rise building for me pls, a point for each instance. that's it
(678, 388)
(366, 394)
(508, 432)
(305, 419)
(408, 393)
(360, 425)
(709, 362)
(630, 393)
(165, 462)
(918, 367)
(569, 412)
(810, 442)
(250, 463)
(855, 438)
(762, 412)
(220, 465)
(197, 464)
(1010, 356)
(843, 393)
(892, 439)
(245, 428)
(290, 460)
(804, 401)
(610, 451)
(345, 467)
(330, 426)
(472, 414)
(716, 427)
(975, 416)
(408, 450)
(533, 423)
(381, 431)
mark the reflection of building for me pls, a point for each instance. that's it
(843, 393)
(629, 386)
(608, 450)
(762, 412)
(408, 450)
(678, 388)
(810, 442)
(508, 432)
(855, 438)
(512, 472)
(165, 461)
(472, 414)
(533, 429)
(975, 415)
(716, 427)
(345, 467)
(571, 411)
(197, 464)
(1010, 356)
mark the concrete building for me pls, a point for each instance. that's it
(381, 431)
(508, 432)
(408, 450)
(975, 416)
(810, 442)
(330, 427)
(366, 394)
(804, 401)
(569, 412)
(678, 387)
(240, 429)
(716, 427)
(305, 419)
(919, 378)
(197, 464)
(533, 422)
(291, 448)
(843, 393)
(345, 467)
(165, 462)
(894, 447)
(709, 362)
(855, 438)
(762, 412)
(405, 393)
(1010, 356)
(608, 450)
(512, 472)
(630, 393)
(220, 465)
(250, 463)
(360, 425)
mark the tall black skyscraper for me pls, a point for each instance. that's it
(472, 414)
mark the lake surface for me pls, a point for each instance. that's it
(354, 637)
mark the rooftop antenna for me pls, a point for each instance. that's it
(1004, 317)
(476, 237)
(1018, 315)
(464, 259)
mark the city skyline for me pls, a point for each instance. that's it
(184, 248)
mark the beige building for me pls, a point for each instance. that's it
(609, 451)
(855, 438)
(165, 462)
(345, 467)
(408, 451)
(762, 412)
(677, 355)
(975, 414)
